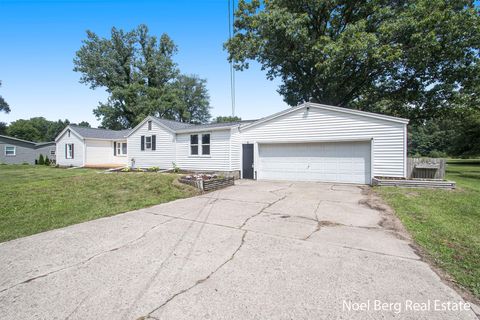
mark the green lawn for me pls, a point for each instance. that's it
(37, 198)
(446, 223)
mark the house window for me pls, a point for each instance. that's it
(69, 153)
(148, 142)
(149, 125)
(194, 144)
(121, 148)
(202, 146)
(10, 151)
(52, 152)
(206, 144)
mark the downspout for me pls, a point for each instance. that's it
(175, 150)
(84, 151)
(230, 152)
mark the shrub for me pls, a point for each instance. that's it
(41, 160)
(176, 169)
(126, 169)
(47, 161)
(153, 169)
(437, 154)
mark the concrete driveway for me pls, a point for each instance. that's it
(258, 250)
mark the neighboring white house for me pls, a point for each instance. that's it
(89, 147)
(310, 142)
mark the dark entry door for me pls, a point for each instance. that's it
(247, 161)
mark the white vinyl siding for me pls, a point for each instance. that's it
(100, 152)
(235, 150)
(78, 150)
(217, 160)
(162, 157)
(327, 125)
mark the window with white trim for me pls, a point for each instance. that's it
(10, 151)
(121, 148)
(148, 142)
(200, 146)
(69, 154)
(206, 144)
(194, 144)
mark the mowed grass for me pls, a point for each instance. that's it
(446, 223)
(37, 198)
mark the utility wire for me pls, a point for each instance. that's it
(231, 19)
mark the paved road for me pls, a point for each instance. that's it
(258, 250)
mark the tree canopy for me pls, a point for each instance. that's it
(193, 101)
(84, 124)
(138, 72)
(3, 104)
(36, 129)
(417, 59)
(3, 128)
(222, 119)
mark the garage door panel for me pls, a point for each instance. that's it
(332, 162)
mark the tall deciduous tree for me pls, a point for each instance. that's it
(3, 104)
(84, 124)
(138, 72)
(3, 128)
(407, 58)
(193, 103)
(36, 129)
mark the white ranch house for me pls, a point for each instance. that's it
(310, 142)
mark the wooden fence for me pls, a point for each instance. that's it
(426, 168)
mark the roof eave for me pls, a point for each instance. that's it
(207, 129)
(19, 140)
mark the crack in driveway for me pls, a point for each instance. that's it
(131, 242)
(262, 210)
(198, 282)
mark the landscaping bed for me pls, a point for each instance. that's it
(207, 182)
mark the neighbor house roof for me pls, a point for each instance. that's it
(31, 144)
(96, 133)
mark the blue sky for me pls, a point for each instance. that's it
(39, 40)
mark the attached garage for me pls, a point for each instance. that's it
(347, 162)
(314, 142)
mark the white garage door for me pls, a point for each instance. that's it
(331, 162)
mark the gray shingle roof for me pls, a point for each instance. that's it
(95, 133)
(14, 140)
(175, 125)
